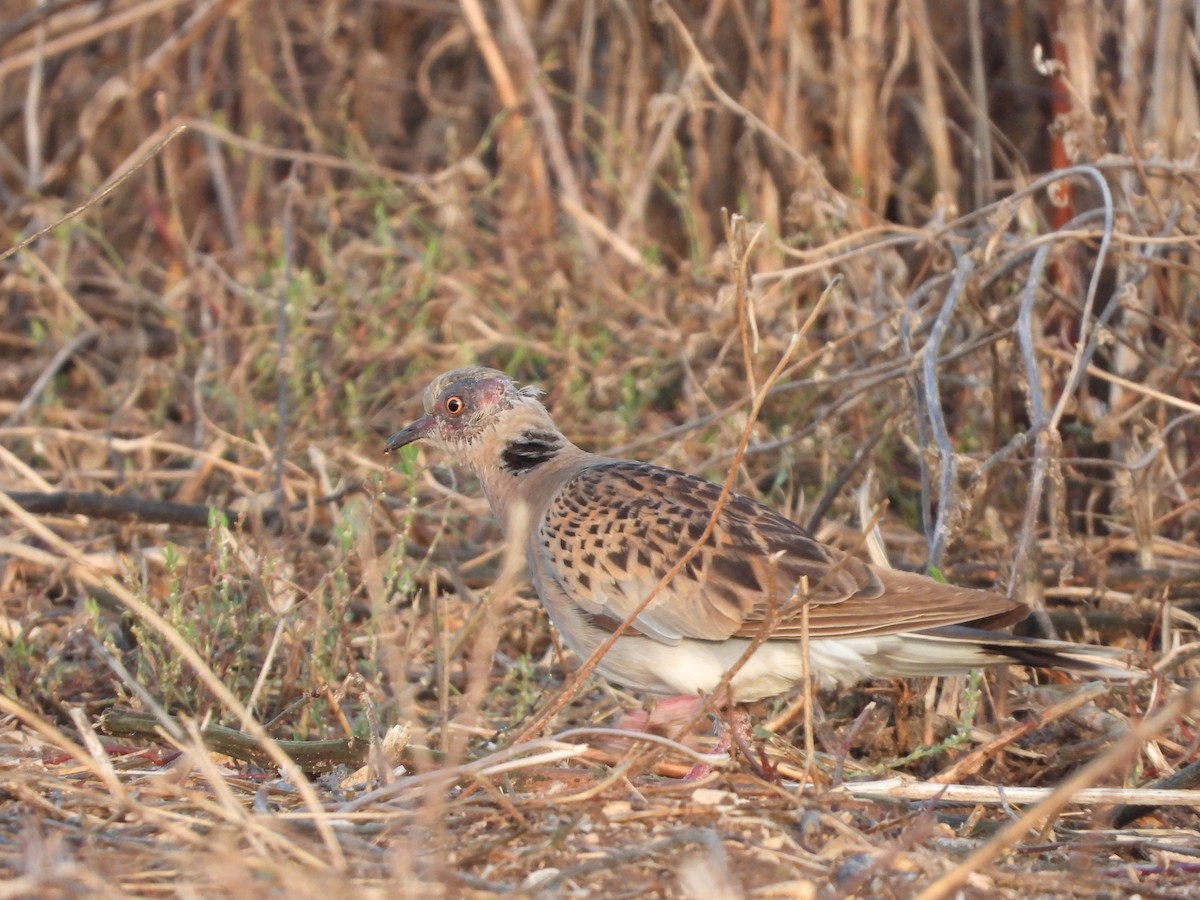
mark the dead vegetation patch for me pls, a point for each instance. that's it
(297, 213)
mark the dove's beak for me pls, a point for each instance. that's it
(414, 432)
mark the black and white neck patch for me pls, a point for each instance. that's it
(530, 449)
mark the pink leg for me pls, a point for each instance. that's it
(666, 717)
(752, 749)
(725, 740)
(670, 714)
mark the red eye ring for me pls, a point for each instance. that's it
(455, 405)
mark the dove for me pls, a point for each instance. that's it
(600, 533)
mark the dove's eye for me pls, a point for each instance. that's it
(455, 405)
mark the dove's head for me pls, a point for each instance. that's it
(475, 414)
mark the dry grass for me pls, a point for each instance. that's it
(367, 194)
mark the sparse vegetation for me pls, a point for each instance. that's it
(636, 206)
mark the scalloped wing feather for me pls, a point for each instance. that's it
(615, 529)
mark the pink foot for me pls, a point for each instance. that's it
(702, 769)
